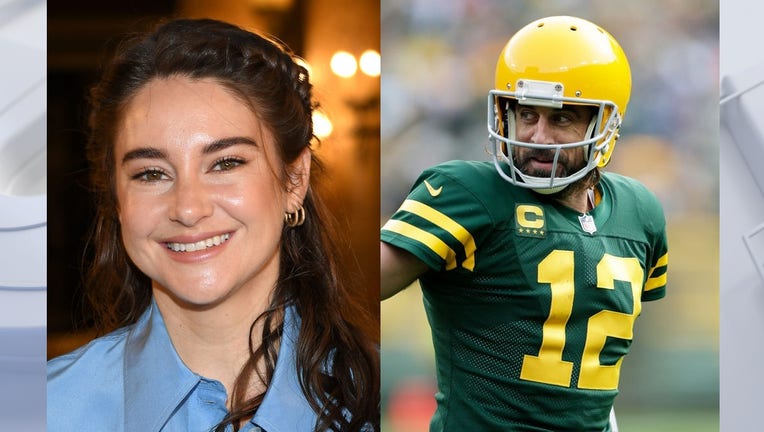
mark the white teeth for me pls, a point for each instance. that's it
(203, 244)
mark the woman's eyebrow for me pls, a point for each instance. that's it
(214, 146)
(224, 143)
(143, 153)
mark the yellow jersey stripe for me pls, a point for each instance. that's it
(430, 240)
(654, 282)
(449, 225)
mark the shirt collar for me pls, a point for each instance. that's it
(157, 381)
(285, 408)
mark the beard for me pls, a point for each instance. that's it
(587, 181)
(523, 162)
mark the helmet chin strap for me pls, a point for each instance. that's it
(549, 191)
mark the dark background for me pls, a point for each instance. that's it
(82, 33)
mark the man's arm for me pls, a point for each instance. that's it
(398, 269)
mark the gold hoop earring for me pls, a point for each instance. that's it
(295, 218)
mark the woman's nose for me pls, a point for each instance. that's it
(192, 202)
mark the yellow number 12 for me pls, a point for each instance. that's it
(557, 270)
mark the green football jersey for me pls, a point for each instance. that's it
(531, 304)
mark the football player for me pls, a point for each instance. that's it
(534, 266)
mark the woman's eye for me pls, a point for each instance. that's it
(150, 175)
(227, 164)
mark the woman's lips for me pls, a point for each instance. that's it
(216, 240)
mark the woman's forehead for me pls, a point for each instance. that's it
(182, 109)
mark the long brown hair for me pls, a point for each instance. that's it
(337, 360)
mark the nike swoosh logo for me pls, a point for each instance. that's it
(434, 192)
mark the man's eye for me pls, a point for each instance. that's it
(562, 119)
(527, 115)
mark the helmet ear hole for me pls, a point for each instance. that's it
(505, 109)
(503, 106)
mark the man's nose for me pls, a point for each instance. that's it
(542, 132)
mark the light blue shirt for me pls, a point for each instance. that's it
(133, 380)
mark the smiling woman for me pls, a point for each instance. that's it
(209, 174)
(213, 258)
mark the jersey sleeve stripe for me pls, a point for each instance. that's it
(657, 281)
(427, 239)
(449, 225)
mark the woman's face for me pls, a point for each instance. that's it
(200, 191)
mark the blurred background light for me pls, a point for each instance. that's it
(370, 63)
(343, 64)
(322, 126)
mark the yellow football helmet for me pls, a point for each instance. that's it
(555, 61)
